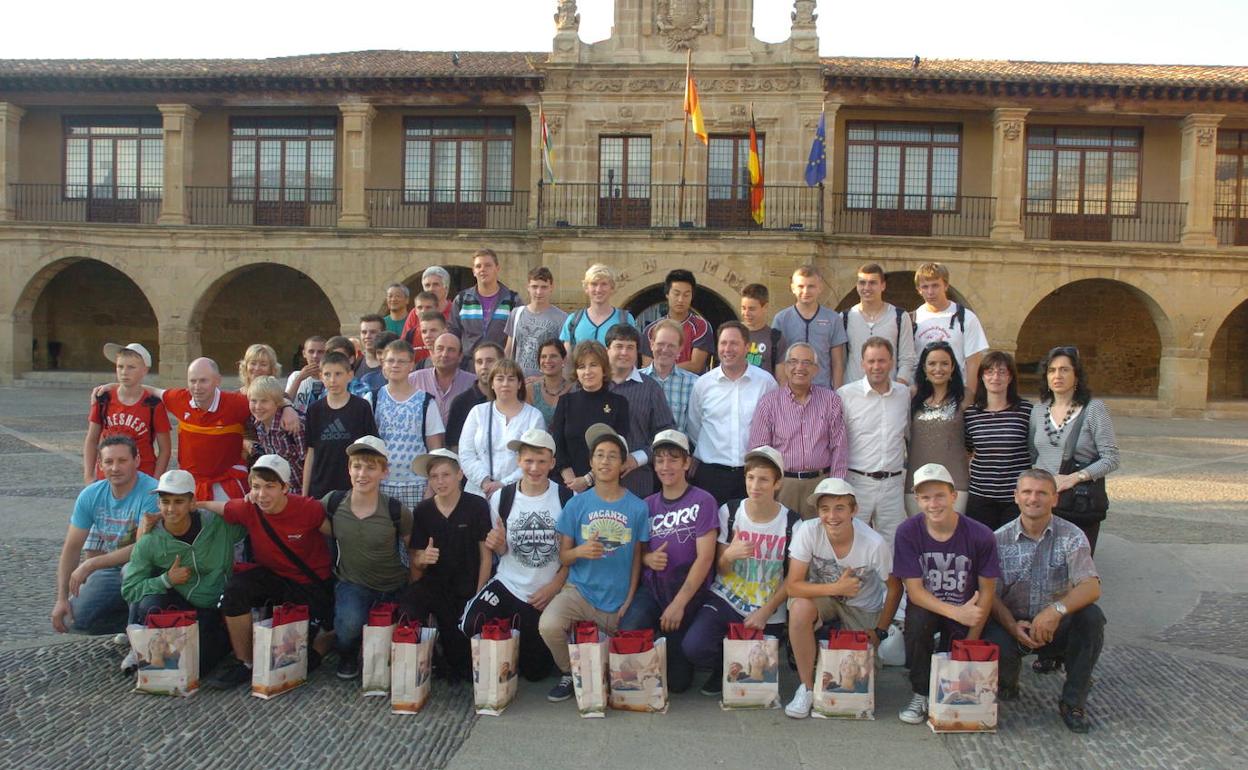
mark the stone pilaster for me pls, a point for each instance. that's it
(1009, 146)
(175, 351)
(1183, 381)
(357, 133)
(567, 43)
(179, 142)
(10, 128)
(803, 36)
(1196, 178)
(830, 201)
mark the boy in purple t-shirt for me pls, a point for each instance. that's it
(684, 521)
(949, 566)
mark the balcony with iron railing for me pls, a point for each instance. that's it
(1092, 220)
(1230, 224)
(86, 203)
(435, 209)
(925, 216)
(263, 207)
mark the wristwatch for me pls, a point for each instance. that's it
(1083, 476)
(1061, 608)
(589, 479)
(882, 633)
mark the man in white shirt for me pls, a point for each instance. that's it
(941, 320)
(721, 408)
(877, 420)
(873, 317)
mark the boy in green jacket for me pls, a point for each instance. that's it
(182, 559)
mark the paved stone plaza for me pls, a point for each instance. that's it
(1170, 687)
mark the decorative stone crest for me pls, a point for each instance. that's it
(1012, 129)
(804, 13)
(1206, 135)
(737, 110)
(681, 21)
(566, 17)
(626, 112)
(554, 123)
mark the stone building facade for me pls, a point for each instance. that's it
(199, 206)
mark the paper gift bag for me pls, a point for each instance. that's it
(963, 694)
(637, 671)
(588, 652)
(411, 667)
(375, 649)
(845, 677)
(495, 662)
(279, 651)
(166, 648)
(751, 671)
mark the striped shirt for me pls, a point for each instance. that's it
(999, 441)
(677, 387)
(648, 413)
(810, 436)
(1096, 440)
(272, 440)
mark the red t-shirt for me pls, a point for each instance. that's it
(412, 326)
(210, 444)
(139, 421)
(299, 523)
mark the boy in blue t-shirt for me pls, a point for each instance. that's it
(598, 534)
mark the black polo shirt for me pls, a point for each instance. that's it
(456, 537)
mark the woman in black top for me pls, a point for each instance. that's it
(591, 403)
(997, 435)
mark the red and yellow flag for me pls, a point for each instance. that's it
(692, 107)
(758, 209)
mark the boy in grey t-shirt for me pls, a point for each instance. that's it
(532, 324)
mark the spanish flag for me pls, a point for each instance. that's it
(547, 147)
(693, 108)
(758, 209)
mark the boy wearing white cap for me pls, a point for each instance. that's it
(183, 558)
(524, 514)
(130, 411)
(949, 566)
(839, 569)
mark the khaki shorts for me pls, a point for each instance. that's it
(852, 618)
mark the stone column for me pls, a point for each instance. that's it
(357, 133)
(10, 138)
(179, 143)
(1008, 153)
(831, 204)
(1196, 178)
(175, 351)
(536, 171)
(1183, 381)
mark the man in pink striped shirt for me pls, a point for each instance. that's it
(804, 422)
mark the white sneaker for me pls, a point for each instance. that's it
(799, 707)
(121, 639)
(130, 663)
(916, 712)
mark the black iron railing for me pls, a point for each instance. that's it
(1230, 224)
(263, 207)
(473, 209)
(674, 206)
(953, 216)
(86, 203)
(1074, 220)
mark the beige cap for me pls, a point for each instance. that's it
(770, 454)
(176, 482)
(670, 437)
(111, 350)
(599, 432)
(832, 486)
(370, 444)
(420, 466)
(932, 472)
(534, 437)
(275, 463)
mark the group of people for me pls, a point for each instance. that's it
(824, 468)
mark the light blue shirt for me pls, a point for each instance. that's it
(108, 518)
(620, 525)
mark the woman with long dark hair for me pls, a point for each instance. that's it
(937, 434)
(997, 436)
(1068, 416)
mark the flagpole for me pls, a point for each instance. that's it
(684, 145)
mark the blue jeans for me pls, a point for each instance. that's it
(98, 608)
(644, 612)
(352, 603)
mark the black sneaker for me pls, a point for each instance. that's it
(348, 666)
(1076, 719)
(562, 690)
(228, 676)
(1007, 692)
(314, 660)
(714, 685)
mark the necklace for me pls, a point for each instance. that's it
(1055, 433)
(871, 320)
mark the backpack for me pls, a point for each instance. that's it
(396, 517)
(794, 518)
(580, 314)
(150, 401)
(845, 326)
(507, 498)
(957, 319)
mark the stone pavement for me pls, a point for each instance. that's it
(1170, 687)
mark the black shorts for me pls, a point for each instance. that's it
(261, 587)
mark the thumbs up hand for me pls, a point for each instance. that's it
(429, 556)
(740, 548)
(177, 573)
(591, 548)
(970, 614)
(496, 540)
(656, 560)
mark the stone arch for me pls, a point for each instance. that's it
(461, 278)
(1228, 357)
(1119, 329)
(260, 302)
(649, 304)
(71, 307)
(899, 291)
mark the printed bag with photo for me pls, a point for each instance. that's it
(637, 670)
(963, 695)
(375, 647)
(411, 666)
(495, 662)
(845, 677)
(166, 647)
(751, 669)
(588, 651)
(279, 651)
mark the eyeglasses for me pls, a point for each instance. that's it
(800, 363)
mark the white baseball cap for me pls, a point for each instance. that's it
(670, 437)
(275, 463)
(534, 437)
(831, 486)
(420, 466)
(111, 350)
(176, 482)
(599, 432)
(932, 472)
(770, 454)
(370, 444)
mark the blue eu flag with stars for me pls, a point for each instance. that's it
(817, 164)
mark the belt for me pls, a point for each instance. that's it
(806, 474)
(877, 475)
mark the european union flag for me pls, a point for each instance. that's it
(817, 165)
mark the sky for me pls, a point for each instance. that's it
(1139, 31)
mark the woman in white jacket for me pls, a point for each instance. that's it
(483, 454)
